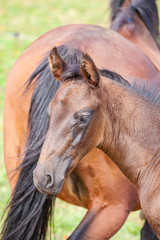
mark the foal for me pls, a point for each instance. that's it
(120, 119)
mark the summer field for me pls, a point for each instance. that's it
(21, 22)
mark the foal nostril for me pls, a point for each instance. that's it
(49, 181)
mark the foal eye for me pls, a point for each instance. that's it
(84, 119)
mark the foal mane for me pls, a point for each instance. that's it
(147, 91)
(147, 11)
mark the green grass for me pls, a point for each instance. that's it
(21, 22)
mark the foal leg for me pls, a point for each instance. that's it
(149, 193)
(151, 209)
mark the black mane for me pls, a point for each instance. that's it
(115, 6)
(147, 91)
(146, 9)
(114, 76)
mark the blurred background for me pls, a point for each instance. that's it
(21, 22)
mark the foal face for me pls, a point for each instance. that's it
(76, 126)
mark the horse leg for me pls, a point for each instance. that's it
(101, 222)
(132, 21)
(111, 197)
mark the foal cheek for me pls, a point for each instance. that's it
(78, 134)
(95, 134)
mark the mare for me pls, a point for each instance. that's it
(96, 183)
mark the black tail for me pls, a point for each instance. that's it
(147, 11)
(29, 211)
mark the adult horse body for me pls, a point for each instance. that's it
(107, 49)
(15, 134)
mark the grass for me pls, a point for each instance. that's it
(21, 22)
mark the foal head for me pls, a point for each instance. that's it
(76, 121)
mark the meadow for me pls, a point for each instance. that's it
(21, 22)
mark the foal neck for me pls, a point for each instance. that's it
(132, 133)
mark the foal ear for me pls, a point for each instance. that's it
(57, 64)
(89, 70)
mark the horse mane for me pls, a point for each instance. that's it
(114, 76)
(115, 6)
(147, 91)
(147, 11)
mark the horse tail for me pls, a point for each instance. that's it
(146, 10)
(29, 211)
